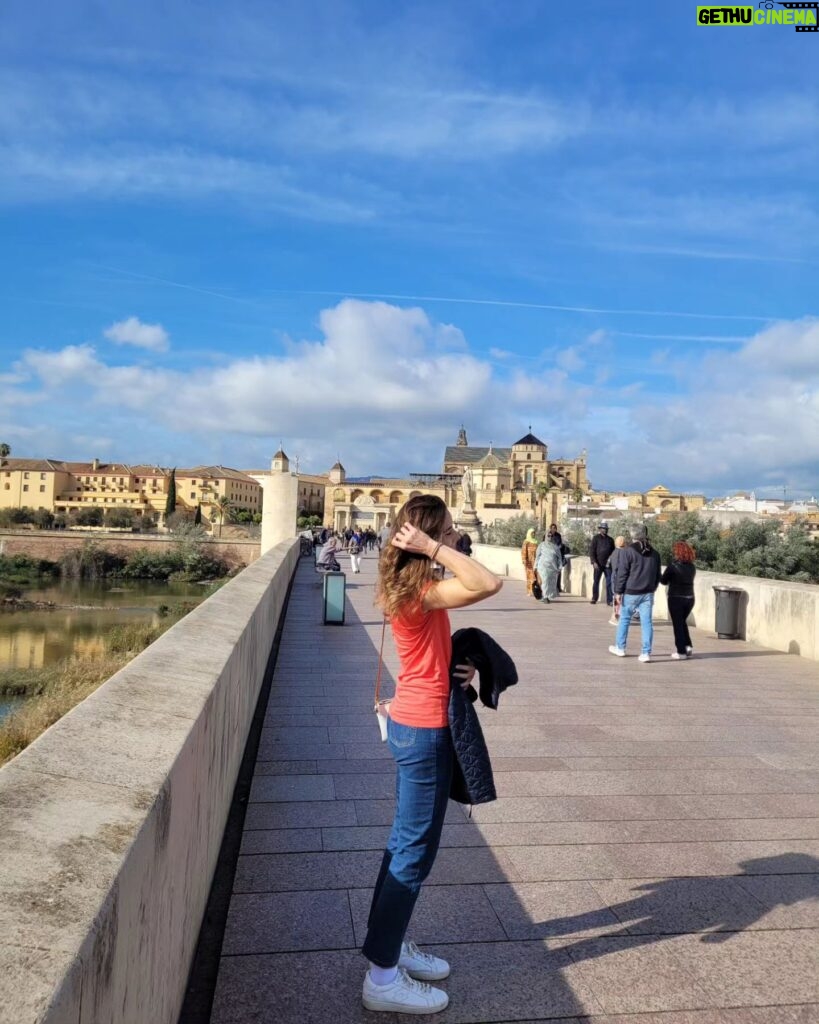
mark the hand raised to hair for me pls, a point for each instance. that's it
(410, 538)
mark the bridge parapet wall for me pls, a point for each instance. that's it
(111, 822)
(773, 613)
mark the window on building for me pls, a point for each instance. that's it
(25, 476)
(42, 476)
(6, 487)
(42, 488)
(193, 495)
(25, 486)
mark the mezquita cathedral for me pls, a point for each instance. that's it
(479, 484)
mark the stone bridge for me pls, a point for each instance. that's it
(653, 856)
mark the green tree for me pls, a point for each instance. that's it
(222, 510)
(5, 450)
(170, 501)
(120, 518)
(512, 533)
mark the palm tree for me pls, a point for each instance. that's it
(541, 490)
(223, 508)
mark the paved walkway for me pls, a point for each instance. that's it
(653, 856)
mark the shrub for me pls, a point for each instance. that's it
(91, 562)
(512, 533)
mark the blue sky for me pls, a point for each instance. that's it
(353, 226)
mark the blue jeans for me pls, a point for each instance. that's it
(631, 602)
(423, 759)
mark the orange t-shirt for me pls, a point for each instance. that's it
(424, 646)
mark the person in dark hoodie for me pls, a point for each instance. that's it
(600, 551)
(679, 577)
(637, 579)
(420, 740)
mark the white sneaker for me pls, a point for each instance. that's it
(689, 652)
(617, 651)
(644, 658)
(613, 621)
(676, 656)
(420, 965)
(404, 995)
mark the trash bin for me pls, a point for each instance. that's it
(727, 612)
(334, 592)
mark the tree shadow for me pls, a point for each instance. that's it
(717, 908)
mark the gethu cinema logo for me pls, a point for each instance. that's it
(803, 16)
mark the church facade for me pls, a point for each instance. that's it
(522, 479)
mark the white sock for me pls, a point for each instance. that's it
(383, 975)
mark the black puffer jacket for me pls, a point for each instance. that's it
(472, 778)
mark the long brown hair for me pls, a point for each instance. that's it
(403, 574)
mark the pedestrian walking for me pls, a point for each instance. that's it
(527, 554)
(638, 576)
(600, 551)
(614, 558)
(420, 741)
(354, 545)
(548, 563)
(679, 577)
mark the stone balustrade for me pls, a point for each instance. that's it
(772, 613)
(113, 819)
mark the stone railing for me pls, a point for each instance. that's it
(772, 613)
(113, 819)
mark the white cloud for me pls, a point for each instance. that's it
(133, 332)
(383, 387)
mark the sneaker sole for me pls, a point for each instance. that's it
(385, 1006)
(427, 976)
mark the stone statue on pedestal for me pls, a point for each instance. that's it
(468, 488)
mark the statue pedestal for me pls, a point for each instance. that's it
(468, 522)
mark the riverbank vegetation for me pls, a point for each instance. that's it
(53, 690)
(767, 549)
(187, 561)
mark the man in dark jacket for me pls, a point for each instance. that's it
(599, 552)
(637, 578)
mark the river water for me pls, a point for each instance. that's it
(32, 639)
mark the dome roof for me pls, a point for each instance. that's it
(529, 439)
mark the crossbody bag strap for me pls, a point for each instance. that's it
(380, 661)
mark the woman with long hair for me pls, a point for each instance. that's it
(420, 742)
(679, 577)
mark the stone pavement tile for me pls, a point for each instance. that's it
(804, 1014)
(363, 838)
(443, 913)
(789, 901)
(374, 749)
(291, 788)
(377, 786)
(536, 910)
(547, 863)
(570, 832)
(365, 766)
(282, 750)
(382, 812)
(527, 764)
(637, 975)
(638, 762)
(289, 872)
(287, 733)
(285, 768)
(657, 906)
(305, 718)
(653, 860)
(791, 856)
(490, 981)
(761, 968)
(318, 814)
(470, 866)
(283, 840)
(276, 922)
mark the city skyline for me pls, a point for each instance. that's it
(218, 233)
